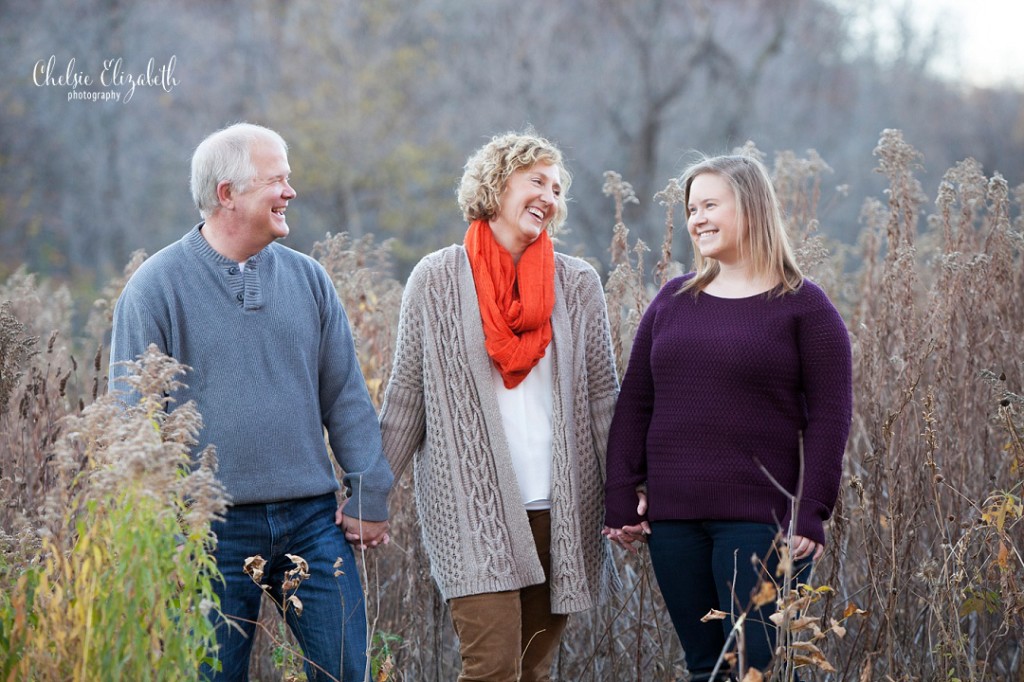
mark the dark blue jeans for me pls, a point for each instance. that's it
(696, 563)
(332, 627)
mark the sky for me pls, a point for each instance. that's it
(985, 36)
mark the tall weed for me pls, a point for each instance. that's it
(121, 584)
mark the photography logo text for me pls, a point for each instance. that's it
(113, 81)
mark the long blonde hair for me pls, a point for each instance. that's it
(758, 210)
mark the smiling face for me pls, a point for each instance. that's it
(260, 207)
(527, 205)
(713, 219)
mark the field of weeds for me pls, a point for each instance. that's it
(105, 570)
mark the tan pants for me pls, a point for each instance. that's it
(511, 636)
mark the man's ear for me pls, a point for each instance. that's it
(225, 194)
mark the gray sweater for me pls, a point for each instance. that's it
(273, 363)
(440, 411)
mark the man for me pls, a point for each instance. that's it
(273, 364)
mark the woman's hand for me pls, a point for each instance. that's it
(801, 548)
(628, 536)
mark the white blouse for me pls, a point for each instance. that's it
(526, 417)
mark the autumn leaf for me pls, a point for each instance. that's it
(785, 566)
(837, 628)
(300, 563)
(766, 594)
(796, 624)
(753, 675)
(713, 614)
(817, 659)
(253, 567)
(806, 648)
(386, 667)
(1001, 508)
(795, 604)
(1003, 558)
(809, 654)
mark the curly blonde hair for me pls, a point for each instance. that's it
(487, 171)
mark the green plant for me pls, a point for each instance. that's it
(382, 663)
(122, 583)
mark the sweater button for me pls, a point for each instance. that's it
(240, 297)
(232, 270)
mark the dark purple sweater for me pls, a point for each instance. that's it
(716, 385)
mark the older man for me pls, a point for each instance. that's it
(273, 364)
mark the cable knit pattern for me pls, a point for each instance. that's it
(716, 386)
(441, 414)
(272, 364)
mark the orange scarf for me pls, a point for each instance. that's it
(515, 301)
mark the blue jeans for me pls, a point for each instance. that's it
(332, 627)
(695, 563)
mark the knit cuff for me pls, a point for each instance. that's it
(620, 507)
(810, 520)
(367, 504)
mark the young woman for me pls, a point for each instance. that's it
(736, 369)
(501, 395)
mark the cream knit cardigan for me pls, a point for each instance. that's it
(440, 411)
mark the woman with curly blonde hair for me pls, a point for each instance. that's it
(501, 396)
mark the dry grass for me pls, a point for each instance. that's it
(923, 578)
(108, 575)
(918, 541)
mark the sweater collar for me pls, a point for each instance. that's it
(198, 243)
(247, 288)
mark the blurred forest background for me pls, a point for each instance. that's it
(382, 102)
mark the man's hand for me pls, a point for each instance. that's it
(362, 534)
